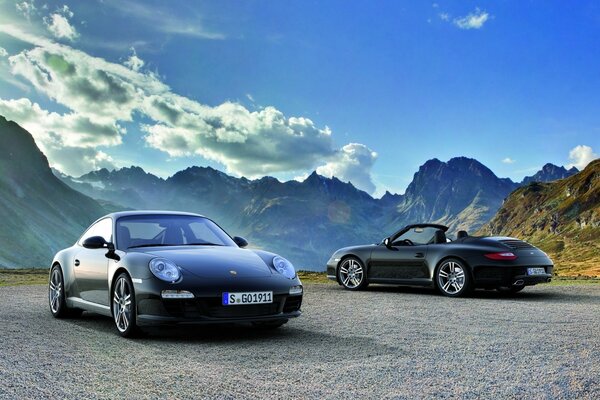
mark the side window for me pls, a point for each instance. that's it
(101, 228)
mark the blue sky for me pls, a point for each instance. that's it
(362, 90)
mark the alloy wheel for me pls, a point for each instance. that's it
(451, 278)
(351, 273)
(122, 304)
(55, 292)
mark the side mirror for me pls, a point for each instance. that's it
(95, 242)
(240, 241)
(111, 252)
(387, 242)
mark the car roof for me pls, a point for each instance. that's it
(437, 226)
(120, 214)
(407, 227)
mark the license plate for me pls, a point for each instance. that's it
(536, 271)
(242, 298)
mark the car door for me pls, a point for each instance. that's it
(398, 263)
(91, 265)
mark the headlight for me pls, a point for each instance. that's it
(284, 267)
(164, 269)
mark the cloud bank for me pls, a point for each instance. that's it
(101, 96)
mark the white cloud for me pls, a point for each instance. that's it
(444, 16)
(58, 24)
(68, 140)
(581, 156)
(473, 20)
(134, 62)
(26, 8)
(164, 20)
(508, 160)
(3, 52)
(245, 142)
(353, 162)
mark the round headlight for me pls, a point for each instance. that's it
(164, 269)
(284, 267)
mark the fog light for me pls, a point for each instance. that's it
(296, 289)
(176, 294)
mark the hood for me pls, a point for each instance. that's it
(214, 261)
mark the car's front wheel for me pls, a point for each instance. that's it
(352, 274)
(56, 295)
(452, 278)
(123, 306)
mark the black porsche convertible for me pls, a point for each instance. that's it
(422, 255)
(149, 268)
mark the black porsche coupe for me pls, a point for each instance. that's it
(156, 267)
(422, 255)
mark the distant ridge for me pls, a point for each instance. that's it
(304, 221)
(561, 217)
(39, 213)
(549, 173)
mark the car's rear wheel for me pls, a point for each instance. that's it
(56, 295)
(352, 274)
(452, 278)
(123, 306)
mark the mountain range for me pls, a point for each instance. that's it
(39, 213)
(560, 217)
(304, 221)
(549, 173)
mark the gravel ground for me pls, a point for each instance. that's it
(381, 343)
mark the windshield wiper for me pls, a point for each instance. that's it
(181, 244)
(152, 245)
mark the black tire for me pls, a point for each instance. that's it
(270, 325)
(352, 274)
(56, 295)
(123, 306)
(453, 278)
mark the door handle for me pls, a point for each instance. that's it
(419, 255)
(77, 263)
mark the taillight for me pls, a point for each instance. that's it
(501, 256)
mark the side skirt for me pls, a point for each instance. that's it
(76, 302)
(405, 282)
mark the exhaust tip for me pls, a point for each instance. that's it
(549, 280)
(518, 282)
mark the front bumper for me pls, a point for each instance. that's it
(206, 306)
(207, 310)
(332, 268)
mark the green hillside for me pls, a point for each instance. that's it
(561, 217)
(39, 214)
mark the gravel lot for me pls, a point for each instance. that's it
(382, 343)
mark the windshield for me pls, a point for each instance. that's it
(169, 230)
(417, 236)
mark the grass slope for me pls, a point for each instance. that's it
(562, 218)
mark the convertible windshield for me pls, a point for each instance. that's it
(417, 236)
(169, 230)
